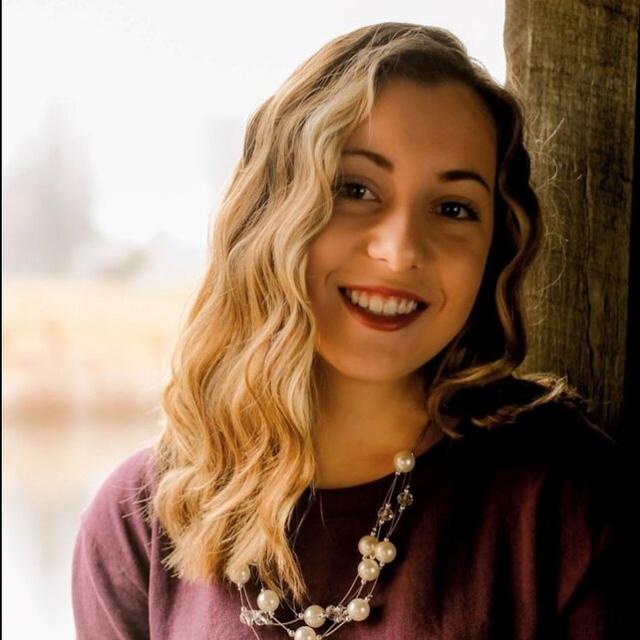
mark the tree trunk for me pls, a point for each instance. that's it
(574, 65)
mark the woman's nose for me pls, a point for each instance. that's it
(396, 240)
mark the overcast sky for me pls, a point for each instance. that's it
(157, 93)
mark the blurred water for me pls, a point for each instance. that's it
(51, 471)
(83, 364)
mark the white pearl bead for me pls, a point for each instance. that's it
(314, 615)
(241, 576)
(368, 570)
(404, 461)
(385, 551)
(367, 546)
(358, 609)
(305, 633)
(268, 600)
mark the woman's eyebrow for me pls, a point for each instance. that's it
(378, 159)
(450, 175)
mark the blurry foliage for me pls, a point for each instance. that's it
(95, 348)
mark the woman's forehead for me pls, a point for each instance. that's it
(440, 126)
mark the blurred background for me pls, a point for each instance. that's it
(121, 122)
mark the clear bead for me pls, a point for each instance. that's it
(246, 616)
(405, 499)
(251, 617)
(385, 513)
(336, 613)
(262, 618)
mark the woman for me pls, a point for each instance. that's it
(347, 448)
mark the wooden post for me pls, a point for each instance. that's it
(574, 65)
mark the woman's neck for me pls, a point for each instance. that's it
(363, 424)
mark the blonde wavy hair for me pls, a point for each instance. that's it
(236, 454)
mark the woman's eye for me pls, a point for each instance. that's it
(453, 209)
(353, 191)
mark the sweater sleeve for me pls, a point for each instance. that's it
(110, 567)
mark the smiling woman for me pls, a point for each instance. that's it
(351, 356)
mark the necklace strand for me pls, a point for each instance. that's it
(376, 553)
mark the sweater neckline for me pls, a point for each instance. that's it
(367, 497)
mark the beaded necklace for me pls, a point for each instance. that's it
(376, 550)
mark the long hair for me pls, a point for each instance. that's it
(236, 452)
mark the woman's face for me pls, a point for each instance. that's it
(414, 212)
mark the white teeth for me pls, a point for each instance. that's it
(379, 305)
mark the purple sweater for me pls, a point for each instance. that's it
(514, 534)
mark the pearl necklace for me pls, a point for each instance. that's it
(376, 553)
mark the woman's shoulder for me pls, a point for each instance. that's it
(553, 455)
(119, 507)
(559, 430)
(112, 556)
(530, 412)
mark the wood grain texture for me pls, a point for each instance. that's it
(574, 66)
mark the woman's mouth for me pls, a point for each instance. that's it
(378, 321)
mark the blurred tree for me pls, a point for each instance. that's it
(47, 202)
